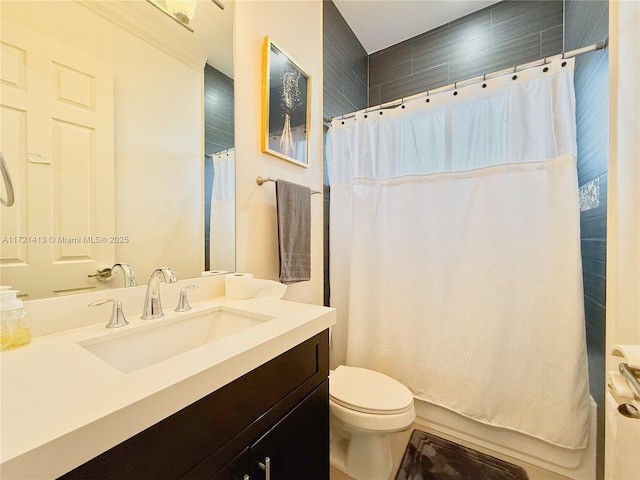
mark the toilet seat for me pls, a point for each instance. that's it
(368, 391)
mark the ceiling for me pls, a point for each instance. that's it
(379, 24)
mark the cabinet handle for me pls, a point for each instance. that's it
(266, 466)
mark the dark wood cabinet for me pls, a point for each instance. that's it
(238, 469)
(279, 410)
(292, 445)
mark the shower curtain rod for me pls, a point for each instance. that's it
(480, 78)
(221, 152)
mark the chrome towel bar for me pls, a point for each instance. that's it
(262, 180)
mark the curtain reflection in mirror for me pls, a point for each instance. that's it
(223, 193)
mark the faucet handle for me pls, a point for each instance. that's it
(117, 315)
(183, 303)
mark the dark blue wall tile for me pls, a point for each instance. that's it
(500, 36)
(345, 65)
(417, 83)
(586, 22)
(592, 111)
(519, 51)
(525, 18)
(218, 111)
(390, 64)
(375, 95)
(551, 41)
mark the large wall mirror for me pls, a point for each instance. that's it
(117, 130)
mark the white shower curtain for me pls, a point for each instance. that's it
(222, 246)
(455, 252)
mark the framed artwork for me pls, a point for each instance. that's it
(286, 106)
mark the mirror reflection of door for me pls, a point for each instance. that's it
(57, 135)
(219, 172)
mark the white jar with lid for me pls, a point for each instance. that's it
(15, 328)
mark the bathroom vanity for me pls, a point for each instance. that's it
(278, 411)
(250, 400)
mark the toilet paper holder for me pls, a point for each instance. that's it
(630, 375)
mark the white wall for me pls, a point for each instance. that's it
(622, 436)
(623, 216)
(158, 136)
(297, 28)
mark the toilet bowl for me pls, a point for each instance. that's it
(365, 407)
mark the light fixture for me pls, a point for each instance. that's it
(182, 11)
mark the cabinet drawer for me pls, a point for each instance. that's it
(173, 447)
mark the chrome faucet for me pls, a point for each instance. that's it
(117, 315)
(127, 271)
(152, 306)
(183, 302)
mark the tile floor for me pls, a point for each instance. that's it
(399, 443)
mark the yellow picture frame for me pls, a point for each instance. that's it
(286, 105)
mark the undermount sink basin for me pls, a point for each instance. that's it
(142, 346)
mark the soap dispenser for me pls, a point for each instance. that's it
(15, 328)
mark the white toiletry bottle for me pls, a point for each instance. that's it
(15, 328)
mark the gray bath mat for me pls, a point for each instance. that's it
(428, 457)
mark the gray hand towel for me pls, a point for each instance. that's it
(294, 231)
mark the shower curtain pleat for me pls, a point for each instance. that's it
(455, 254)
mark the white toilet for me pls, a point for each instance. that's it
(365, 407)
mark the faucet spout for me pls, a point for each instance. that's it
(127, 272)
(152, 305)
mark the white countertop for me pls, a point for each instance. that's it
(61, 405)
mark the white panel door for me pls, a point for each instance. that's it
(57, 137)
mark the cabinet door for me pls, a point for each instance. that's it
(237, 469)
(298, 445)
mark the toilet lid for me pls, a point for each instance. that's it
(368, 391)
